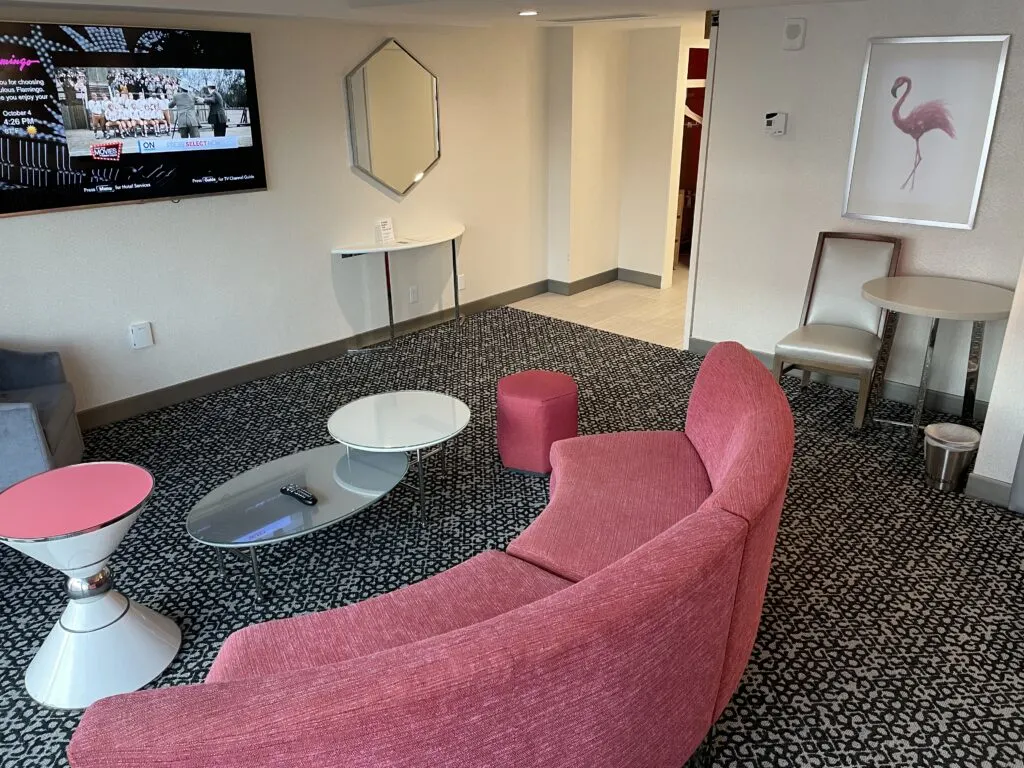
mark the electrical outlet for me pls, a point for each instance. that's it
(462, 282)
(414, 294)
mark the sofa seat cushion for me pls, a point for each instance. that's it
(611, 494)
(486, 586)
(54, 404)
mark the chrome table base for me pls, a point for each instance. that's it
(970, 385)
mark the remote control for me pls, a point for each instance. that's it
(300, 494)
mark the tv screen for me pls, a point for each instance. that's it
(95, 115)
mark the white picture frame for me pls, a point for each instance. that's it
(923, 131)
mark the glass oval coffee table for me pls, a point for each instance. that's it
(250, 511)
(413, 423)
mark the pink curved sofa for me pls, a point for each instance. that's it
(613, 631)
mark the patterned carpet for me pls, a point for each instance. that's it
(893, 633)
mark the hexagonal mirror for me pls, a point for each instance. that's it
(393, 118)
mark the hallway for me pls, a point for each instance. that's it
(628, 309)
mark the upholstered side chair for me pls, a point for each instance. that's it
(840, 331)
(38, 426)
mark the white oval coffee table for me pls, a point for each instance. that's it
(414, 422)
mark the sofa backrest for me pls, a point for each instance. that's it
(740, 422)
(620, 669)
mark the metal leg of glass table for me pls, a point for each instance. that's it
(256, 573)
(973, 370)
(422, 482)
(220, 562)
(922, 390)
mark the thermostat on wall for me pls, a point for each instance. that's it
(775, 123)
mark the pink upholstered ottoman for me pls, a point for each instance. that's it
(535, 410)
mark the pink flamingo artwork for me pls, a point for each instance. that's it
(930, 116)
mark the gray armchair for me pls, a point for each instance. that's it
(38, 426)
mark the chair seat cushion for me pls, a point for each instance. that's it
(54, 404)
(479, 589)
(830, 345)
(611, 494)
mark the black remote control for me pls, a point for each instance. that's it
(300, 494)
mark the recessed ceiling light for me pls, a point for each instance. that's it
(528, 13)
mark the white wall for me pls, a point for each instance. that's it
(652, 148)
(559, 60)
(230, 280)
(615, 99)
(1004, 425)
(586, 82)
(599, 119)
(650, 180)
(766, 199)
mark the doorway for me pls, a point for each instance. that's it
(689, 174)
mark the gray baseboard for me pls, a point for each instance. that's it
(205, 385)
(640, 278)
(943, 402)
(626, 275)
(985, 488)
(579, 286)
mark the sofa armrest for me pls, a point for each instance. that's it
(23, 449)
(23, 370)
(621, 669)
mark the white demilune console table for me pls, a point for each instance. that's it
(451, 234)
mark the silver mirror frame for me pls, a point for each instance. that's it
(350, 99)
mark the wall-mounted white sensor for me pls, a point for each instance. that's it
(775, 123)
(795, 35)
(140, 335)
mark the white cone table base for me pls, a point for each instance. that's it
(102, 646)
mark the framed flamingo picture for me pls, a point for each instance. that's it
(924, 127)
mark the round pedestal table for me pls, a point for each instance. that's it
(72, 519)
(939, 298)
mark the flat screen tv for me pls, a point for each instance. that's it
(93, 115)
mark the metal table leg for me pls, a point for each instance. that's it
(922, 391)
(391, 310)
(220, 562)
(422, 482)
(391, 301)
(256, 573)
(455, 275)
(973, 370)
(892, 322)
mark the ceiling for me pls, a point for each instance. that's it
(444, 12)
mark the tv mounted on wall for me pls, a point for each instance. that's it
(93, 115)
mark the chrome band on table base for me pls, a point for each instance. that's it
(79, 588)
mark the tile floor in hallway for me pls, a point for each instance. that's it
(627, 309)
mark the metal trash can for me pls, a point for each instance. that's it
(948, 451)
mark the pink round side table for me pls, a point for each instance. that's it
(72, 519)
